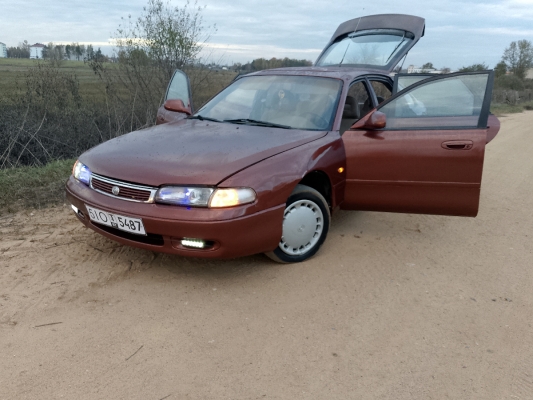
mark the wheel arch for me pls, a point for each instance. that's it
(319, 181)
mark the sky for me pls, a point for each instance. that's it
(458, 33)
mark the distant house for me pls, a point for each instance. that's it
(529, 73)
(3, 50)
(419, 70)
(36, 51)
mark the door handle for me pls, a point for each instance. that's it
(457, 145)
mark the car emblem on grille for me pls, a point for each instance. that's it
(115, 190)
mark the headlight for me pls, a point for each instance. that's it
(231, 197)
(184, 196)
(204, 197)
(81, 172)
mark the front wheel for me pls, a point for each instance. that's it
(305, 226)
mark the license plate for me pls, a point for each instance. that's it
(127, 224)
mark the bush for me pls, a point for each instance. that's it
(509, 82)
(49, 120)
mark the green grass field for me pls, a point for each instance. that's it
(12, 72)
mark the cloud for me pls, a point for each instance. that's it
(486, 30)
(270, 28)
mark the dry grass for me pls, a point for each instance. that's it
(33, 186)
(13, 70)
(502, 109)
(205, 83)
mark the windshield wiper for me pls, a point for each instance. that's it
(202, 118)
(247, 121)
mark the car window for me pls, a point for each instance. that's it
(381, 90)
(178, 88)
(451, 102)
(299, 102)
(404, 81)
(374, 47)
(357, 104)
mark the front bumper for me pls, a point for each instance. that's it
(231, 232)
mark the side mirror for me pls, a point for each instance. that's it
(177, 106)
(376, 120)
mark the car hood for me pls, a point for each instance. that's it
(190, 152)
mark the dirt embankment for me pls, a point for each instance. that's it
(392, 307)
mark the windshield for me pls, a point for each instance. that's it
(294, 102)
(375, 47)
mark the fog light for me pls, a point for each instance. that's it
(77, 211)
(194, 243)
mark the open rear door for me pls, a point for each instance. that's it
(179, 88)
(429, 156)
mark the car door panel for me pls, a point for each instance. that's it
(430, 164)
(410, 171)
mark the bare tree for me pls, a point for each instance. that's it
(171, 37)
(164, 38)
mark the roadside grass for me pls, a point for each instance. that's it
(36, 187)
(502, 109)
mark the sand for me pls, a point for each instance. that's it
(394, 306)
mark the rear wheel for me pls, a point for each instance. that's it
(305, 226)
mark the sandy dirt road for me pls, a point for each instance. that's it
(393, 307)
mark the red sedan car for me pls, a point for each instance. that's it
(261, 167)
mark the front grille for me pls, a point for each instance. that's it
(126, 191)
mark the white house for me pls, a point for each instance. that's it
(36, 51)
(419, 70)
(3, 50)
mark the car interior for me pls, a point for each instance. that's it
(359, 103)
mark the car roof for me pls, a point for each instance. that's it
(343, 73)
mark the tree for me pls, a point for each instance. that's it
(261, 63)
(428, 65)
(78, 52)
(89, 52)
(21, 51)
(172, 37)
(474, 68)
(53, 53)
(149, 49)
(519, 57)
(500, 69)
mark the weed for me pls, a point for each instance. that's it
(33, 186)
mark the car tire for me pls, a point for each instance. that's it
(306, 222)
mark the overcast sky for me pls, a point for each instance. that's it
(458, 33)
